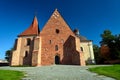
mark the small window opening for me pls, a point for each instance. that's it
(81, 48)
(50, 41)
(28, 41)
(26, 53)
(56, 47)
(57, 31)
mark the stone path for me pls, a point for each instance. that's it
(58, 72)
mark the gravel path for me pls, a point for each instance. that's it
(58, 72)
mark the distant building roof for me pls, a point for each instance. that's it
(32, 30)
(82, 38)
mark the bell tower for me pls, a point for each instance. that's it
(22, 54)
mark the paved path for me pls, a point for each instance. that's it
(58, 72)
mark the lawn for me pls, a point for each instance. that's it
(11, 75)
(110, 71)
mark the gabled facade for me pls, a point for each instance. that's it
(55, 44)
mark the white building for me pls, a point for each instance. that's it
(86, 47)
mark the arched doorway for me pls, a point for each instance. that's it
(57, 59)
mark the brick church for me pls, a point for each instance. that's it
(56, 43)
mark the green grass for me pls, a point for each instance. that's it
(11, 75)
(110, 71)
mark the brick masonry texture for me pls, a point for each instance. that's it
(55, 44)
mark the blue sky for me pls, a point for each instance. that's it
(91, 17)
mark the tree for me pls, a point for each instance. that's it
(8, 54)
(116, 46)
(113, 42)
(107, 38)
(97, 55)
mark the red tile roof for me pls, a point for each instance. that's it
(32, 30)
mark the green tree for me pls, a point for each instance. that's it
(107, 38)
(97, 55)
(8, 54)
(113, 42)
(116, 47)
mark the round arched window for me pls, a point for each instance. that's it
(81, 48)
(28, 41)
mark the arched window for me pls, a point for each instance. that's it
(26, 53)
(57, 59)
(81, 48)
(50, 41)
(56, 47)
(57, 31)
(28, 41)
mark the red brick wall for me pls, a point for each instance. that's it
(42, 51)
(65, 40)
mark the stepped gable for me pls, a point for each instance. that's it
(32, 30)
(56, 21)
